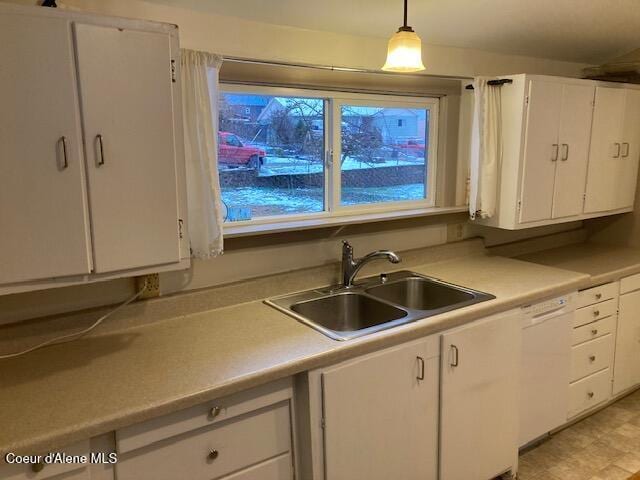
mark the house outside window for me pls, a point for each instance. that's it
(288, 154)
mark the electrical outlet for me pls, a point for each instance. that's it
(152, 287)
(455, 232)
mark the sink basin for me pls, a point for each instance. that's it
(375, 304)
(347, 312)
(421, 294)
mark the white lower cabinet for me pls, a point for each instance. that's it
(479, 398)
(243, 437)
(627, 357)
(53, 471)
(376, 416)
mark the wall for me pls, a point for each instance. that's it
(257, 256)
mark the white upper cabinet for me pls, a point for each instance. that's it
(573, 146)
(613, 165)
(125, 91)
(91, 166)
(570, 150)
(43, 208)
(541, 150)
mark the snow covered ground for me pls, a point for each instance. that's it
(281, 201)
(288, 166)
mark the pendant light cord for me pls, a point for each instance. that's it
(405, 12)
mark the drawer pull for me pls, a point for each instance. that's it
(214, 412)
(37, 467)
(594, 331)
(598, 296)
(596, 313)
(213, 454)
(590, 394)
(592, 358)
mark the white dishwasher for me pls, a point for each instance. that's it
(546, 363)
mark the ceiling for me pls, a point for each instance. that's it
(590, 31)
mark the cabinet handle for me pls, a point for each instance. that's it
(598, 296)
(214, 412)
(596, 313)
(592, 358)
(37, 467)
(454, 353)
(590, 394)
(100, 150)
(554, 157)
(213, 454)
(565, 152)
(65, 159)
(625, 149)
(617, 154)
(594, 331)
(421, 371)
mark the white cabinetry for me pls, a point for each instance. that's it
(246, 436)
(593, 342)
(615, 150)
(479, 398)
(377, 415)
(92, 173)
(627, 357)
(557, 163)
(555, 150)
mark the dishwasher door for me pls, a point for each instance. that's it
(544, 376)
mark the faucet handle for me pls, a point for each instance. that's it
(346, 246)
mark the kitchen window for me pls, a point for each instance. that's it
(288, 154)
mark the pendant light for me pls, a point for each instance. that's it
(404, 53)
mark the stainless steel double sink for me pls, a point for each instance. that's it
(375, 304)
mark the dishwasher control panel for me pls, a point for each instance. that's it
(552, 305)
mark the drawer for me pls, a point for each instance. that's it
(279, 468)
(71, 471)
(589, 392)
(238, 444)
(595, 312)
(630, 283)
(592, 330)
(592, 356)
(597, 294)
(210, 413)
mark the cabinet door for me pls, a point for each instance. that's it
(626, 372)
(575, 133)
(479, 398)
(604, 155)
(541, 150)
(126, 98)
(43, 209)
(627, 166)
(380, 419)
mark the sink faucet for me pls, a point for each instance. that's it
(351, 266)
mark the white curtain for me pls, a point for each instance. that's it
(200, 110)
(486, 149)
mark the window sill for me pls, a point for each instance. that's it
(231, 230)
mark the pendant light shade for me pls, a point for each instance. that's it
(404, 53)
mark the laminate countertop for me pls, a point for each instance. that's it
(69, 392)
(603, 263)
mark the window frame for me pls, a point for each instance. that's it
(333, 210)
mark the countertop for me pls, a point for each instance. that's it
(603, 263)
(69, 392)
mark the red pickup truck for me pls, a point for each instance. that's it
(232, 152)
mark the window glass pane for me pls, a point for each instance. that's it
(270, 155)
(384, 154)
